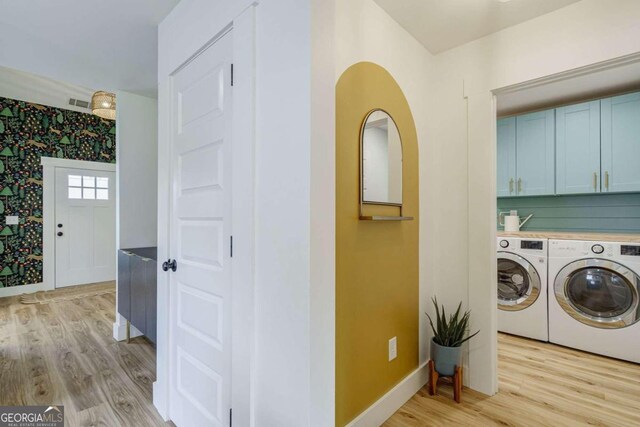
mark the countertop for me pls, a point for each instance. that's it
(150, 252)
(557, 235)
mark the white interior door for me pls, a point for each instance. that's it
(200, 224)
(85, 226)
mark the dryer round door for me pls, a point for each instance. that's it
(518, 282)
(599, 293)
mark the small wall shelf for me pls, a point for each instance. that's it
(385, 218)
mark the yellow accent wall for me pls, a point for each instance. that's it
(376, 262)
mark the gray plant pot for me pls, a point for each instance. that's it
(446, 358)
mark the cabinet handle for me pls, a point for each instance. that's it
(606, 180)
(595, 181)
(519, 185)
(511, 186)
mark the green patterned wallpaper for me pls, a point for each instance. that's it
(28, 132)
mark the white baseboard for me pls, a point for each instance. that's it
(384, 407)
(158, 401)
(22, 289)
(120, 329)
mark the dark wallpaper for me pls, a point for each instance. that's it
(28, 132)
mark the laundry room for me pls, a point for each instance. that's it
(568, 220)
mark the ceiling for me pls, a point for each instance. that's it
(444, 24)
(98, 44)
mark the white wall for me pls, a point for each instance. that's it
(394, 155)
(450, 96)
(463, 119)
(293, 349)
(137, 170)
(323, 208)
(136, 179)
(283, 143)
(295, 170)
(376, 164)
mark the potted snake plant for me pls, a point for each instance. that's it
(448, 337)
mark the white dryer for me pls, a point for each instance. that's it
(522, 287)
(593, 303)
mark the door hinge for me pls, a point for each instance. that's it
(230, 417)
(231, 246)
(231, 74)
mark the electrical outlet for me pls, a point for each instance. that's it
(393, 348)
(12, 220)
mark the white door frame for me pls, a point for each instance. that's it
(242, 214)
(49, 166)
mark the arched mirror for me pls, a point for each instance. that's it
(381, 151)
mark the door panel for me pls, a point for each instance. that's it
(104, 237)
(578, 148)
(85, 242)
(535, 147)
(151, 299)
(124, 284)
(79, 251)
(200, 334)
(506, 137)
(621, 143)
(138, 294)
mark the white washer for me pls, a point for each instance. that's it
(522, 287)
(594, 297)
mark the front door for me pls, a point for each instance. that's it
(200, 226)
(85, 226)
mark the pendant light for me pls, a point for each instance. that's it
(103, 104)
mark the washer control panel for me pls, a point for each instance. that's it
(577, 248)
(504, 244)
(630, 250)
(534, 245)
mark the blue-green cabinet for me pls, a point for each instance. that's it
(620, 121)
(591, 147)
(578, 148)
(535, 153)
(506, 136)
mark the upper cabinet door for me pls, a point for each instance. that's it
(578, 148)
(621, 143)
(506, 135)
(535, 147)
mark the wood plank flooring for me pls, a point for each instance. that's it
(540, 385)
(63, 352)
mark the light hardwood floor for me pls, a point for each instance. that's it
(64, 353)
(540, 385)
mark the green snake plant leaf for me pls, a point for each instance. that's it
(450, 330)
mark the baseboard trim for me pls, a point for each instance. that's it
(22, 289)
(384, 407)
(158, 401)
(120, 331)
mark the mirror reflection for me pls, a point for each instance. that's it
(381, 160)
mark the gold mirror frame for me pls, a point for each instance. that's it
(401, 217)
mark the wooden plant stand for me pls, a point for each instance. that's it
(456, 380)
